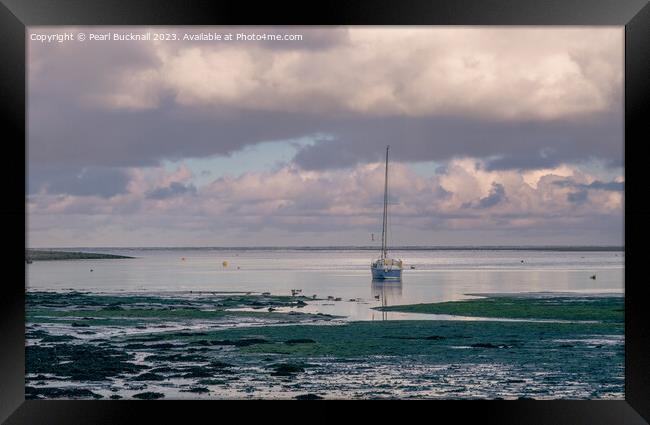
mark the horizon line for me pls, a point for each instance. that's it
(359, 247)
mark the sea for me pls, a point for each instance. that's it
(430, 275)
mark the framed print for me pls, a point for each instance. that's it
(427, 201)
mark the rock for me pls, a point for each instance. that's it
(197, 372)
(219, 365)
(175, 358)
(49, 392)
(488, 345)
(148, 395)
(286, 369)
(148, 376)
(57, 338)
(309, 396)
(300, 341)
(212, 382)
(198, 390)
(241, 342)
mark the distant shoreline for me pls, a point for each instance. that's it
(49, 255)
(339, 248)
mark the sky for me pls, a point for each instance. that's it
(498, 135)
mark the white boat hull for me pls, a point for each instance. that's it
(385, 272)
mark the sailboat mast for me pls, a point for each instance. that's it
(384, 228)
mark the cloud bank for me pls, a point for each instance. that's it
(513, 116)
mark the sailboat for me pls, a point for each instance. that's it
(385, 267)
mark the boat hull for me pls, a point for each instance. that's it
(386, 273)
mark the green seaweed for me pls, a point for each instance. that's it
(49, 392)
(399, 338)
(298, 352)
(49, 255)
(79, 362)
(604, 309)
(140, 310)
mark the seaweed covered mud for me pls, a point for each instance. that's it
(533, 306)
(52, 255)
(238, 345)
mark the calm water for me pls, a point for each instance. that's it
(439, 275)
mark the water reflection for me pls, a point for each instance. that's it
(387, 292)
(390, 291)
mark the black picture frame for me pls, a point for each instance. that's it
(16, 15)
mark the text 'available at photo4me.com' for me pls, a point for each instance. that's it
(209, 36)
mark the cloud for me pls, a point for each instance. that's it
(616, 186)
(497, 194)
(505, 145)
(174, 189)
(82, 181)
(582, 190)
(400, 71)
(436, 92)
(510, 116)
(578, 197)
(292, 201)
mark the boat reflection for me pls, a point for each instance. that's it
(387, 292)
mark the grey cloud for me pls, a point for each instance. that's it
(174, 189)
(613, 186)
(441, 170)
(507, 145)
(577, 197)
(81, 181)
(441, 193)
(525, 161)
(497, 194)
(65, 137)
(63, 133)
